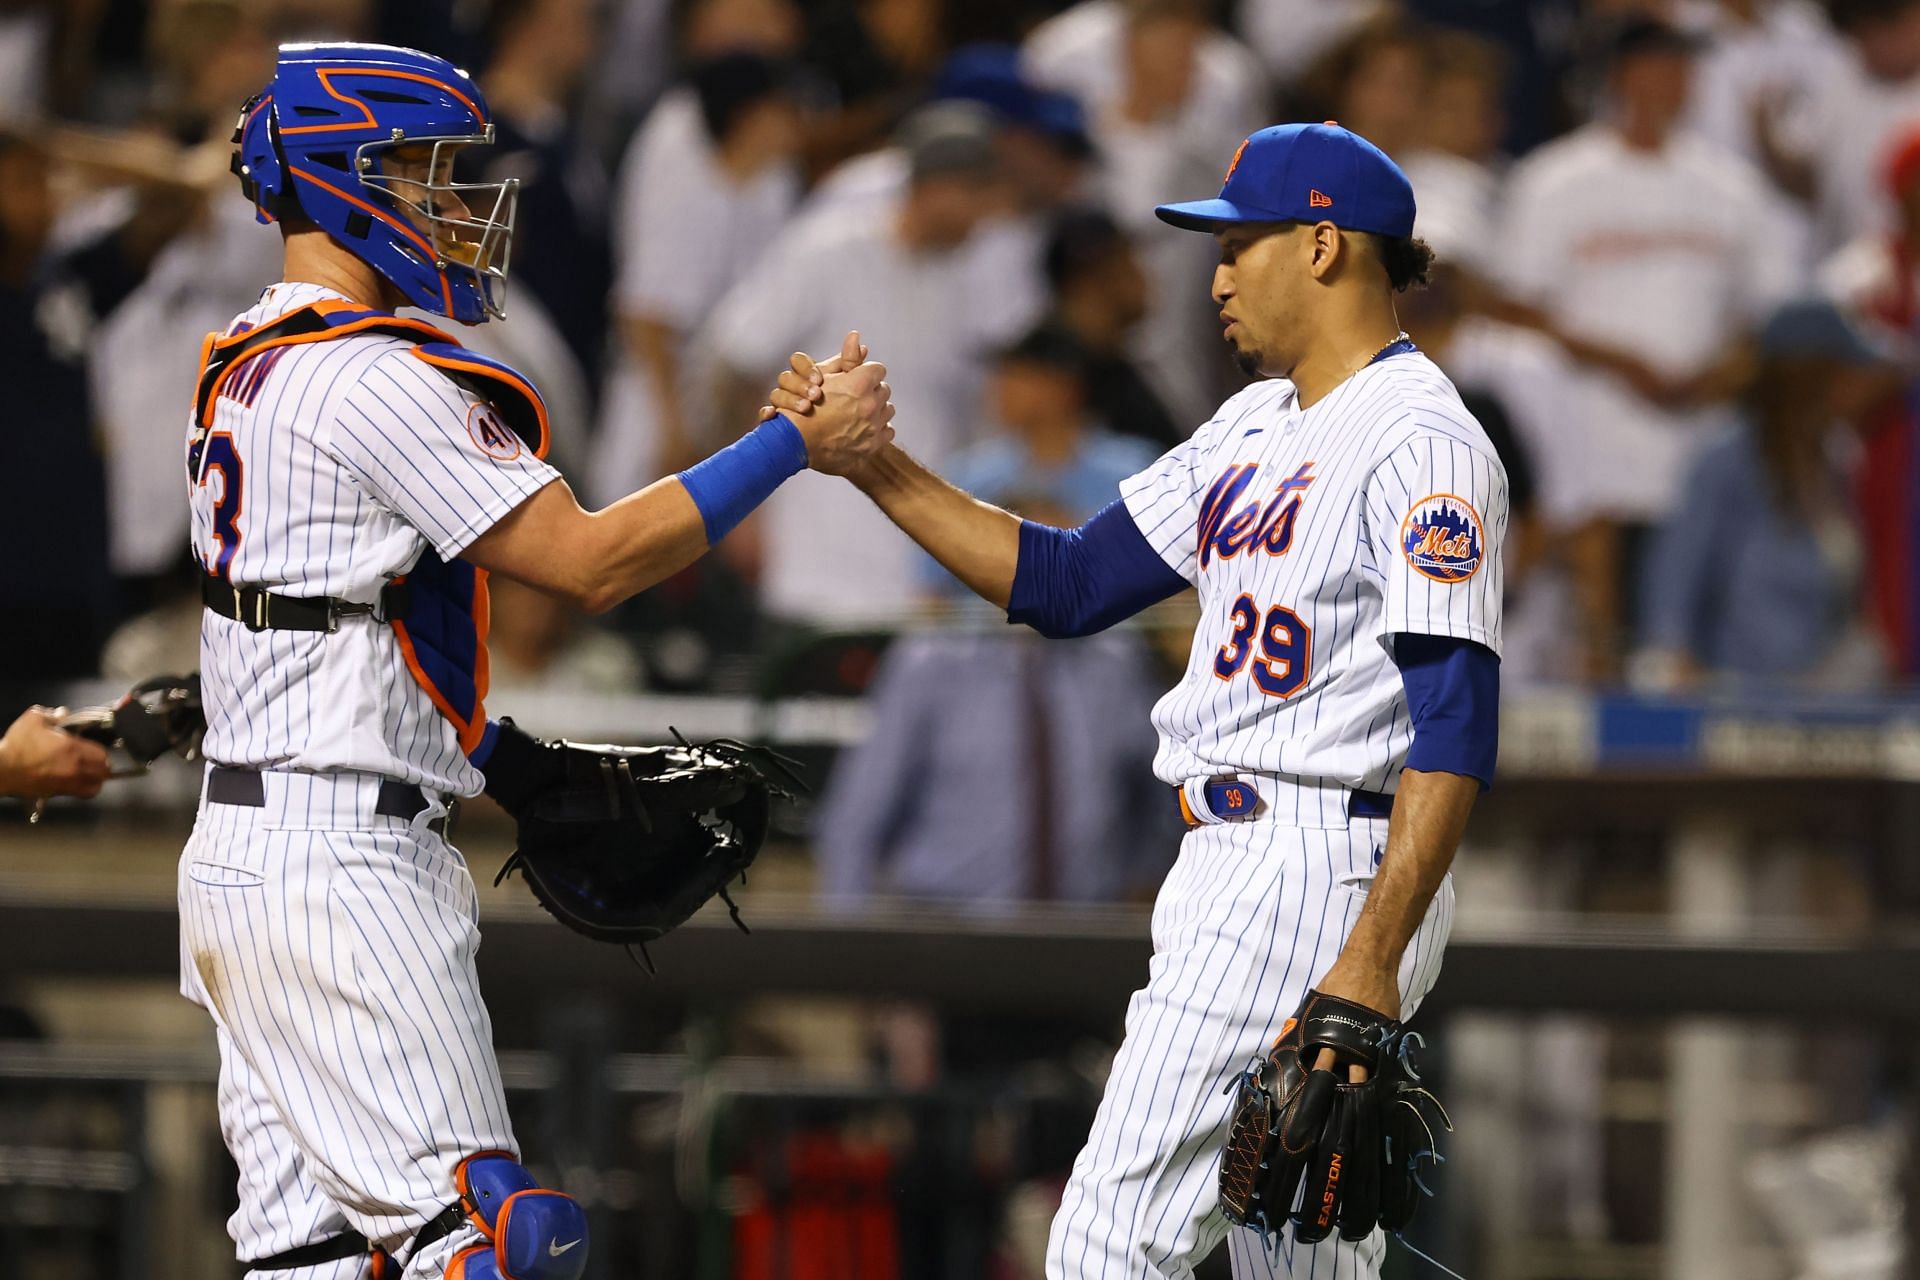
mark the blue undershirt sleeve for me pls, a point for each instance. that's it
(1453, 695)
(1074, 582)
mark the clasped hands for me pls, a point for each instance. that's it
(842, 406)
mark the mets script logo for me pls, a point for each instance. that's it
(1442, 539)
(1267, 528)
(495, 438)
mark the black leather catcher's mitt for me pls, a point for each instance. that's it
(1306, 1146)
(155, 717)
(623, 844)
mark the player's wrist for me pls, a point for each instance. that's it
(1371, 984)
(727, 486)
(879, 474)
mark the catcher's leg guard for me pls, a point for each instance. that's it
(532, 1233)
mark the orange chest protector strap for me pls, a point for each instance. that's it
(438, 608)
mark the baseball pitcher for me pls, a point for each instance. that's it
(1342, 521)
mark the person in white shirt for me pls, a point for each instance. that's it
(1534, 425)
(917, 294)
(1649, 256)
(1167, 93)
(1870, 95)
(1457, 163)
(1289, 34)
(711, 177)
(1762, 65)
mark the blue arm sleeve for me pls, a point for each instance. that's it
(1074, 582)
(1453, 693)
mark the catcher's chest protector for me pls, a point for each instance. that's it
(443, 632)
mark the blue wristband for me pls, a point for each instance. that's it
(729, 485)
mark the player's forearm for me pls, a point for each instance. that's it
(1430, 813)
(640, 542)
(976, 541)
(594, 559)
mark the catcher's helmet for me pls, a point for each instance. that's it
(316, 143)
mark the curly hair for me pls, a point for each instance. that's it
(1408, 261)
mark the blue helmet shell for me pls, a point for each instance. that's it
(313, 144)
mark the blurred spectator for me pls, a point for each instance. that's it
(1151, 62)
(53, 514)
(1857, 108)
(1001, 767)
(1168, 97)
(26, 50)
(708, 181)
(876, 57)
(69, 58)
(1042, 153)
(1540, 39)
(1762, 66)
(1055, 459)
(540, 52)
(997, 769)
(1041, 148)
(1757, 574)
(1878, 277)
(901, 276)
(714, 28)
(1099, 299)
(538, 642)
(1374, 82)
(1289, 34)
(1456, 165)
(1514, 382)
(1649, 256)
(210, 56)
(1042, 134)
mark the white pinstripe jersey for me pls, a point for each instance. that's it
(341, 462)
(1314, 536)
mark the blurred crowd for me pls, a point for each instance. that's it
(1679, 245)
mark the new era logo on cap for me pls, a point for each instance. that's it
(1286, 174)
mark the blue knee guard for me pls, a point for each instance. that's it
(532, 1233)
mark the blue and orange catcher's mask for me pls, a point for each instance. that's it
(359, 139)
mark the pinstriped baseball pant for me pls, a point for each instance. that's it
(356, 1058)
(1250, 917)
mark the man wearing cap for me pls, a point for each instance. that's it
(1343, 522)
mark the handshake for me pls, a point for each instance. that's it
(842, 407)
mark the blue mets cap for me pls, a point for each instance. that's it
(1306, 173)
